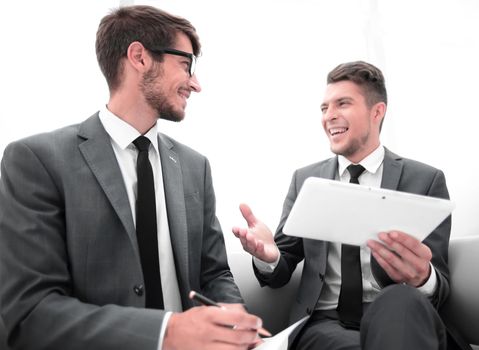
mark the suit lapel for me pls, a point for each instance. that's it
(392, 169)
(175, 206)
(330, 169)
(315, 249)
(99, 156)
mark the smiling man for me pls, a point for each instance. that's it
(388, 294)
(106, 226)
(350, 121)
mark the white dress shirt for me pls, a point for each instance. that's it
(328, 299)
(122, 135)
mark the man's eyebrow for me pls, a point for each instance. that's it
(337, 100)
(344, 98)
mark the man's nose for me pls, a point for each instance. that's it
(330, 113)
(194, 84)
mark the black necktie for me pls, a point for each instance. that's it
(350, 304)
(146, 227)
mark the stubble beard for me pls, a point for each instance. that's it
(157, 99)
(352, 148)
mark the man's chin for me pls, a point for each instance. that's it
(336, 150)
(173, 116)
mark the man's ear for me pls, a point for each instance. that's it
(378, 112)
(137, 56)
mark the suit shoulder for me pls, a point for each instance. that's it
(316, 168)
(420, 166)
(48, 140)
(410, 164)
(324, 169)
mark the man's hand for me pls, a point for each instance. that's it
(210, 327)
(257, 239)
(258, 341)
(404, 258)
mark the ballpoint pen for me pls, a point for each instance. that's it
(208, 302)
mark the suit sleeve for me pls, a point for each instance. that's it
(437, 241)
(291, 248)
(216, 278)
(37, 294)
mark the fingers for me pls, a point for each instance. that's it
(249, 242)
(239, 232)
(396, 270)
(242, 234)
(248, 214)
(257, 343)
(240, 307)
(233, 306)
(209, 327)
(403, 257)
(257, 239)
(234, 335)
(401, 242)
(237, 326)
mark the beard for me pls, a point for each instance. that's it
(156, 98)
(354, 146)
(349, 150)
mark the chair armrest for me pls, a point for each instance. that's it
(462, 307)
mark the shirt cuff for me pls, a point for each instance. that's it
(264, 267)
(429, 287)
(164, 324)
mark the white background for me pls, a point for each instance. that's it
(263, 73)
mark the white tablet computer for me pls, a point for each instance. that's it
(348, 213)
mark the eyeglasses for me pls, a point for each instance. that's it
(192, 65)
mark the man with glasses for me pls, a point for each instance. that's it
(106, 226)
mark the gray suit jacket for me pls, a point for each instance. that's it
(398, 174)
(69, 260)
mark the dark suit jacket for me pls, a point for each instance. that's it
(399, 174)
(69, 260)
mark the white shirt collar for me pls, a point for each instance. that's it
(371, 163)
(123, 133)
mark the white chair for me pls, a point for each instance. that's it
(462, 307)
(272, 305)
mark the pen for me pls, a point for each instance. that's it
(208, 302)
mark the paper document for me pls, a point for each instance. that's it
(348, 213)
(280, 340)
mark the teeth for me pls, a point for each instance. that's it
(335, 131)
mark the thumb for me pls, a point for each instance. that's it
(248, 215)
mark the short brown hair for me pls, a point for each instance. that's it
(152, 27)
(367, 76)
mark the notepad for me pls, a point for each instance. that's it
(348, 213)
(280, 340)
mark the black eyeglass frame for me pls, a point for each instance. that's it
(193, 58)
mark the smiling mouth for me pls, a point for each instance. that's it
(185, 96)
(184, 93)
(337, 131)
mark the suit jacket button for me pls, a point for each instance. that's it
(138, 289)
(321, 277)
(309, 311)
